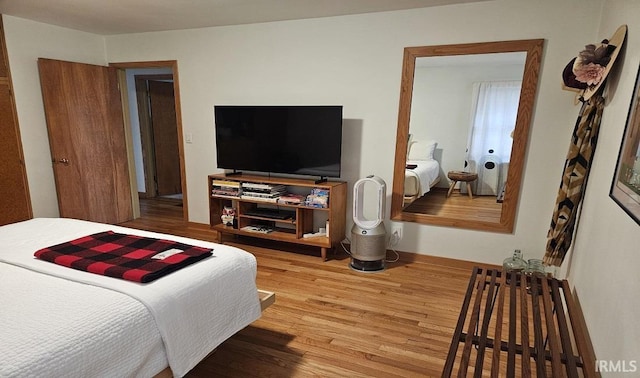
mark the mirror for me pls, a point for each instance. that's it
(431, 129)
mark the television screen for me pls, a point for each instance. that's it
(302, 140)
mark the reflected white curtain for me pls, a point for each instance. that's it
(493, 118)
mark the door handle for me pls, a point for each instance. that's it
(62, 161)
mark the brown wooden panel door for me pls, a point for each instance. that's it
(86, 135)
(4, 62)
(15, 202)
(165, 137)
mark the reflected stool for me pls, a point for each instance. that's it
(461, 176)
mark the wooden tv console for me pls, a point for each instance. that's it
(290, 230)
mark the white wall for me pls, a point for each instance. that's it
(356, 61)
(606, 258)
(26, 42)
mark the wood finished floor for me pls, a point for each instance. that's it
(458, 205)
(329, 321)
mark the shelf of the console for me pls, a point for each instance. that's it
(258, 202)
(277, 220)
(278, 235)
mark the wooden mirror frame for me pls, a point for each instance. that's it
(533, 48)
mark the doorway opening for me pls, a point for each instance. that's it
(156, 153)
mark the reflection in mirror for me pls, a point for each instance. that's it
(476, 97)
(464, 108)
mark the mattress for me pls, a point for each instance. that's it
(418, 181)
(59, 321)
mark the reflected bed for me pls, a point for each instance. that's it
(420, 179)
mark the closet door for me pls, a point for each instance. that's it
(15, 202)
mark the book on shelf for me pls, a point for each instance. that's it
(262, 199)
(227, 183)
(225, 194)
(261, 194)
(320, 192)
(263, 187)
(318, 198)
(225, 189)
(291, 199)
(264, 191)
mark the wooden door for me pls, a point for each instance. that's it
(165, 137)
(86, 136)
(15, 201)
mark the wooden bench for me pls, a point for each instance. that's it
(514, 325)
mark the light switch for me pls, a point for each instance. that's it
(188, 137)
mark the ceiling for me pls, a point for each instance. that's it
(108, 17)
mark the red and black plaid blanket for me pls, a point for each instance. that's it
(130, 257)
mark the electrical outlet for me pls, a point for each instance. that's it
(396, 234)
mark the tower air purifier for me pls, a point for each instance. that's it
(488, 176)
(368, 236)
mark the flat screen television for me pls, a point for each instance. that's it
(299, 140)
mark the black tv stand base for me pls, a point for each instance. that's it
(321, 180)
(234, 173)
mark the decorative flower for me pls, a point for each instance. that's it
(600, 54)
(591, 73)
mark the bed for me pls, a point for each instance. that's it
(423, 170)
(58, 321)
(420, 179)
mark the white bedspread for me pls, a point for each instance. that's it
(38, 342)
(195, 309)
(418, 181)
